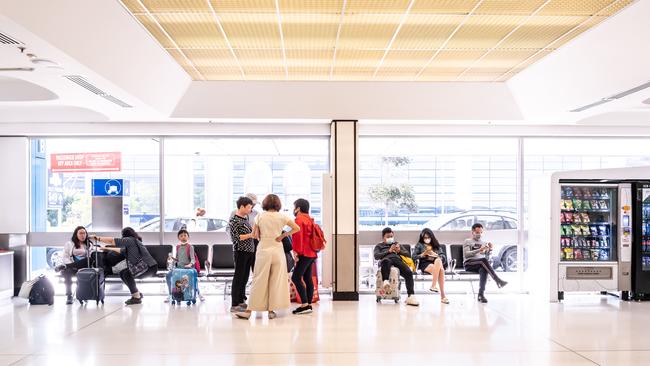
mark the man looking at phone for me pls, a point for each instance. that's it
(475, 254)
(388, 254)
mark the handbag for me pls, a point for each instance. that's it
(140, 267)
(408, 261)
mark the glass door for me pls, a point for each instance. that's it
(587, 223)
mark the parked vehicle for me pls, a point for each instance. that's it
(190, 223)
(500, 227)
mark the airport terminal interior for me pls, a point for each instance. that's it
(324, 182)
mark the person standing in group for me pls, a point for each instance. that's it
(475, 254)
(270, 289)
(241, 234)
(250, 217)
(138, 259)
(305, 256)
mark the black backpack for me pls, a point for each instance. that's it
(42, 292)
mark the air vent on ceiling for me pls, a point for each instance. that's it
(82, 82)
(5, 39)
(613, 97)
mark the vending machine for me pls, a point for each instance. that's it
(641, 247)
(594, 236)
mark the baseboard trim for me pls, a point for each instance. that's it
(345, 296)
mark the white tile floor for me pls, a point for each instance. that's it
(509, 330)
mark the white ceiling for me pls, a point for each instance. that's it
(100, 41)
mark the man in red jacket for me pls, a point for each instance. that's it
(305, 256)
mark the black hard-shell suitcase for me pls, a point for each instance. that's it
(90, 283)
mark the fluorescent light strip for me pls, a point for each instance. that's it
(539, 8)
(392, 40)
(500, 78)
(170, 38)
(225, 37)
(284, 51)
(338, 36)
(444, 44)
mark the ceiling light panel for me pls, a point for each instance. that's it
(580, 7)
(439, 40)
(252, 30)
(192, 30)
(540, 31)
(508, 7)
(484, 31)
(243, 6)
(459, 7)
(311, 6)
(377, 6)
(368, 31)
(309, 31)
(425, 32)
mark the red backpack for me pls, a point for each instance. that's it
(197, 264)
(317, 237)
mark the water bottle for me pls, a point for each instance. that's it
(170, 262)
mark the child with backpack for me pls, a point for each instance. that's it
(306, 244)
(185, 258)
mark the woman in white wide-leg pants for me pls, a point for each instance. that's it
(270, 288)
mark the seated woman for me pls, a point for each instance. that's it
(75, 257)
(430, 257)
(138, 258)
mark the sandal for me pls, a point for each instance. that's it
(444, 300)
(272, 315)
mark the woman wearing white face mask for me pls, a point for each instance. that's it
(431, 260)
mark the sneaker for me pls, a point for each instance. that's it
(482, 299)
(502, 283)
(243, 315)
(243, 305)
(444, 300)
(272, 315)
(166, 301)
(69, 300)
(303, 310)
(59, 268)
(201, 297)
(386, 286)
(237, 309)
(411, 300)
(133, 301)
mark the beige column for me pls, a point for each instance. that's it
(345, 248)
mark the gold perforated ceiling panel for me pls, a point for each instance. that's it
(394, 40)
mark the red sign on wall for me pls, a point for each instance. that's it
(86, 162)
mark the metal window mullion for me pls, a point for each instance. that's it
(161, 189)
(520, 212)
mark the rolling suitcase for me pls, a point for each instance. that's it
(395, 285)
(90, 283)
(183, 286)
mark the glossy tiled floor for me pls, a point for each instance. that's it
(509, 330)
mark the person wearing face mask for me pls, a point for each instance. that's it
(243, 246)
(431, 259)
(388, 254)
(304, 256)
(475, 252)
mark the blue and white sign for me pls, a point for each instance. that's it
(108, 187)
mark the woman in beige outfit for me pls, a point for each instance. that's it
(270, 288)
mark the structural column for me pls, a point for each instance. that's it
(345, 248)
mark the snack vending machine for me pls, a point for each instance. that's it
(641, 262)
(593, 237)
